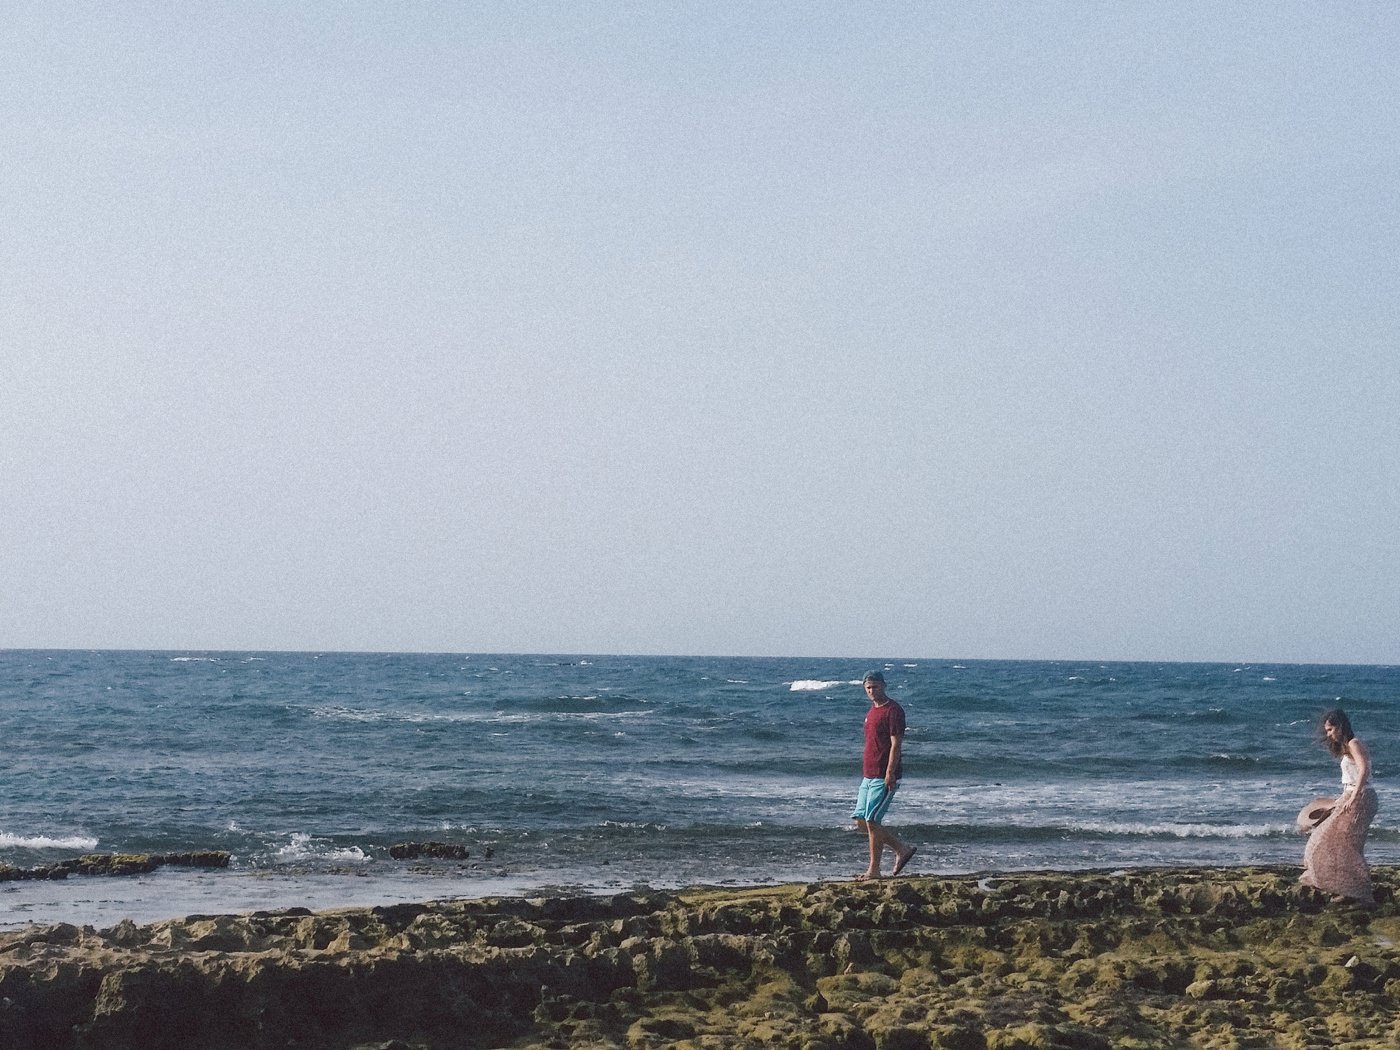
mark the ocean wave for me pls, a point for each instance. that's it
(348, 714)
(1165, 830)
(1179, 831)
(303, 847)
(84, 842)
(1208, 715)
(1222, 759)
(1098, 831)
(495, 716)
(813, 685)
(589, 703)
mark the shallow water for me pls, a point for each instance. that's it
(598, 773)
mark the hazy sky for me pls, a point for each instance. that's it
(938, 330)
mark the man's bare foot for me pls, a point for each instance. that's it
(864, 875)
(903, 859)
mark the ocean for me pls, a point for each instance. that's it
(601, 774)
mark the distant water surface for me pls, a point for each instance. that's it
(601, 773)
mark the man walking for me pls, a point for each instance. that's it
(880, 772)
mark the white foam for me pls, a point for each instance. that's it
(347, 714)
(1181, 831)
(8, 841)
(303, 847)
(812, 685)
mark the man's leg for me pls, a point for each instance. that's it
(874, 834)
(902, 854)
(879, 838)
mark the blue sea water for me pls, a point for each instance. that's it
(600, 773)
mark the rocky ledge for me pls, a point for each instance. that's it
(1144, 959)
(115, 864)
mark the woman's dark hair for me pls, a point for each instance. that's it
(1336, 717)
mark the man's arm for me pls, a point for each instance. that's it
(895, 741)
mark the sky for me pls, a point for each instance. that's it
(1012, 331)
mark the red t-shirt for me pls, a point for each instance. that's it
(881, 723)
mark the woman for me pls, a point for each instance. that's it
(1333, 861)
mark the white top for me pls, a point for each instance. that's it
(1351, 773)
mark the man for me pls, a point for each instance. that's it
(880, 772)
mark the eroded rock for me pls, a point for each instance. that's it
(115, 864)
(429, 850)
(1087, 961)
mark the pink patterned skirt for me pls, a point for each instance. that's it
(1333, 860)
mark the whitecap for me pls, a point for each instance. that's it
(304, 847)
(1180, 831)
(493, 716)
(8, 841)
(812, 685)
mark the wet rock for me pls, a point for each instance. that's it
(431, 850)
(209, 858)
(114, 864)
(1042, 961)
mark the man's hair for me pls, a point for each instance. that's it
(873, 676)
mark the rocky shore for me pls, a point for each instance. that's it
(1142, 959)
(114, 864)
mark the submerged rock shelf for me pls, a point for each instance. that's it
(1145, 959)
(115, 864)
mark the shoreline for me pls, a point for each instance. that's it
(1145, 957)
(107, 889)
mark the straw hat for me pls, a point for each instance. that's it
(1314, 813)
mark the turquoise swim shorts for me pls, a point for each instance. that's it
(873, 800)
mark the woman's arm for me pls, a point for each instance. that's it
(1356, 750)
